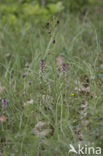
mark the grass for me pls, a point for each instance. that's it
(57, 101)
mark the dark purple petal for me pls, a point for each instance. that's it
(4, 103)
(42, 65)
(24, 75)
(64, 67)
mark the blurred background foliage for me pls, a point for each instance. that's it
(14, 12)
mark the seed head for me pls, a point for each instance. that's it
(53, 41)
(47, 24)
(58, 21)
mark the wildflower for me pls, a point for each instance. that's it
(53, 41)
(64, 67)
(73, 94)
(80, 135)
(4, 103)
(42, 65)
(49, 32)
(24, 75)
(58, 21)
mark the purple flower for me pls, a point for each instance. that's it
(24, 75)
(90, 33)
(64, 67)
(4, 103)
(42, 65)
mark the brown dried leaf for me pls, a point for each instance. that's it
(40, 124)
(59, 60)
(84, 104)
(83, 89)
(30, 102)
(44, 133)
(85, 123)
(42, 129)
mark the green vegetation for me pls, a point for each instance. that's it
(51, 77)
(15, 12)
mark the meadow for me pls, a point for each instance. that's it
(51, 85)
